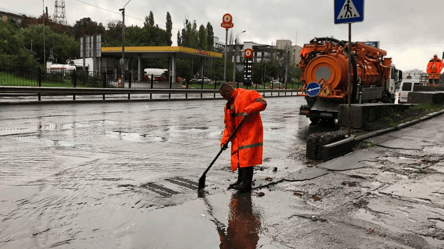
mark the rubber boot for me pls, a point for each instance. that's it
(247, 178)
(239, 178)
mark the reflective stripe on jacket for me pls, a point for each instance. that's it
(247, 144)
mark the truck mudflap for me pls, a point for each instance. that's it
(304, 110)
(321, 109)
(316, 116)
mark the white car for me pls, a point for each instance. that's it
(275, 83)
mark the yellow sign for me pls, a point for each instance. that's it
(325, 92)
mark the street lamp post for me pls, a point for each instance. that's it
(44, 52)
(235, 55)
(122, 62)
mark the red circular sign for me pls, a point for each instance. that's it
(227, 21)
(248, 53)
(227, 18)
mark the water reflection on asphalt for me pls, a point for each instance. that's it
(72, 175)
(243, 223)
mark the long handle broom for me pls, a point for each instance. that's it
(202, 178)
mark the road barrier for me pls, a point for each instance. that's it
(175, 93)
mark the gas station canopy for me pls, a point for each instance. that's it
(159, 52)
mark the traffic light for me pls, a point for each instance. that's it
(248, 71)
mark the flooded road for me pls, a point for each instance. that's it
(124, 175)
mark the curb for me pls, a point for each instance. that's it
(345, 146)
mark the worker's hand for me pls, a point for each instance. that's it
(224, 146)
(246, 116)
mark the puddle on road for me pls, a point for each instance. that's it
(231, 220)
(87, 124)
(135, 137)
(192, 128)
(54, 126)
(364, 215)
(48, 142)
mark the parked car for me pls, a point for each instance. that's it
(275, 84)
(199, 80)
(407, 86)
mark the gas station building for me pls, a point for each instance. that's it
(139, 52)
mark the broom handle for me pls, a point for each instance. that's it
(220, 152)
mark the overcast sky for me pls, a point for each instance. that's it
(411, 31)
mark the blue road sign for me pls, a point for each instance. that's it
(313, 89)
(372, 43)
(348, 11)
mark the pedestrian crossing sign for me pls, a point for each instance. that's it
(348, 11)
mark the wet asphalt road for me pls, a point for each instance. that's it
(124, 175)
(81, 175)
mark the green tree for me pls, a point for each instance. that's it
(169, 29)
(86, 26)
(264, 71)
(65, 47)
(113, 36)
(12, 47)
(202, 38)
(179, 40)
(210, 37)
(149, 20)
(190, 35)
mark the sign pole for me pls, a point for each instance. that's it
(349, 79)
(227, 23)
(349, 11)
(225, 60)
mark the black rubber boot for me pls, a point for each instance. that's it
(247, 178)
(239, 178)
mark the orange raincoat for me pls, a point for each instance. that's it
(434, 68)
(247, 144)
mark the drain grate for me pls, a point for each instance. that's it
(159, 189)
(188, 181)
(183, 182)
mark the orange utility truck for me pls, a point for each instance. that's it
(324, 65)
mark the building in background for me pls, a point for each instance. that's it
(284, 54)
(15, 17)
(283, 50)
(218, 45)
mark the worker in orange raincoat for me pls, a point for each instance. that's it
(434, 69)
(247, 144)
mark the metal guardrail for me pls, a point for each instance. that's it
(68, 91)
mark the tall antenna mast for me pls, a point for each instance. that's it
(59, 12)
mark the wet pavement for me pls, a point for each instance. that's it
(124, 175)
